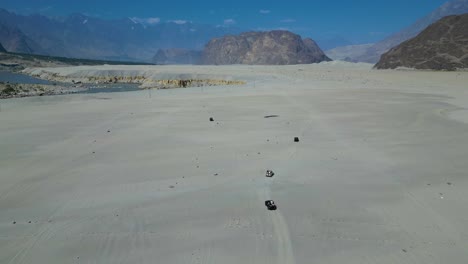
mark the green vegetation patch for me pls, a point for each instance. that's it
(8, 90)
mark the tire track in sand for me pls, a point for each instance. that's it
(285, 254)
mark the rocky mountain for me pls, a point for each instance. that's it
(454, 7)
(442, 46)
(2, 49)
(177, 56)
(15, 41)
(262, 48)
(81, 36)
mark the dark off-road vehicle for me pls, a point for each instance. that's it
(270, 205)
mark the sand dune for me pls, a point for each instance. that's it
(379, 174)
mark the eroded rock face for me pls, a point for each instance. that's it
(168, 84)
(441, 46)
(262, 48)
(2, 49)
(144, 82)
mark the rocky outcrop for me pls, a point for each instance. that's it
(454, 7)
(2, 49)
(441, 46)
(262, 48)
(176, 56)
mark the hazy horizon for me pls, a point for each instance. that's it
(358, 22)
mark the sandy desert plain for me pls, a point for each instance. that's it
(379, 175)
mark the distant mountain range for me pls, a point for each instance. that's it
(177, 56)
(373, 53)
(15, 41)
(441, 46)
(332, 42)
(81, 36)
(133, 39)
(347, 53)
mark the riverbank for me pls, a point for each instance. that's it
(148, 77)
(17, 62)
(16, 90)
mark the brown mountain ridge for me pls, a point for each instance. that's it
(441, 46)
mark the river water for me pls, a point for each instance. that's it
(111, 88)
(11, 77)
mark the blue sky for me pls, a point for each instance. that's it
(358, 21)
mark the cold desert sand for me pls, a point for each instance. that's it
(379, 174)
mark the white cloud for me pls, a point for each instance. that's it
(146, 21)
(179, 21)
(153, 20)
(288, 20)
(229, 21)
(265, 11)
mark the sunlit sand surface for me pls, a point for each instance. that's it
(379, 174)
